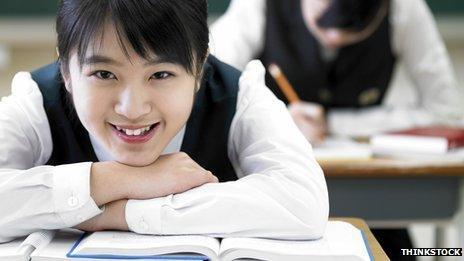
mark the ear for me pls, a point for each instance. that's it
(66, 79)
(67, 84)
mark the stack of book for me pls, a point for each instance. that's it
(432, 142)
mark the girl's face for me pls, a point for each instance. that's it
(334, 38)
(131, 106)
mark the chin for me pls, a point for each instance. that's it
(135, 161)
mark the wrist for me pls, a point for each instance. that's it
(108, 182)
(115, 216)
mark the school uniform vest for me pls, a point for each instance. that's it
(206, 133)
(358, 77)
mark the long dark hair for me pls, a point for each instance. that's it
(175, 30)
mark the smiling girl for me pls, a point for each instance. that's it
(136, 127)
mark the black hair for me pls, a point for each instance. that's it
(175, 30)
(353, 15)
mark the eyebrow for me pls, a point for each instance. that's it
(96, 59)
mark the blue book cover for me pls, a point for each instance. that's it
(179, 257)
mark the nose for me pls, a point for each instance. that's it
(133, 103)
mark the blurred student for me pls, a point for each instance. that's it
(340, 56)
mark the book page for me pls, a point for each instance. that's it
(341, 239)
(39, 238)
(21, 248)
(128, 243)
(58, 247)
(10, 250)
(345, 240)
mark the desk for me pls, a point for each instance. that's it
(395, 193)
(375, 247)
(391, 168)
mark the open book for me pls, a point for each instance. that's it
(341, 241)
(21, 249)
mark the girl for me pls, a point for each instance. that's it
(134, 126)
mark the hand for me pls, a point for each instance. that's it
(112, 218)
(169, 174)
(310, 119)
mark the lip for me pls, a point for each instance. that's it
(133, 127)
(135, 139)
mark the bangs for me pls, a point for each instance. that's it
(160, 27)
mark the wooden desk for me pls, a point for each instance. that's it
(391, 168)
(377, 251)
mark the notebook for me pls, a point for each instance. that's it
(21, 249)
(435, 140)
(341, 241)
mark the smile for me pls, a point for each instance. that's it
(135, 134)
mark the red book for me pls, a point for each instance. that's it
(454, 136)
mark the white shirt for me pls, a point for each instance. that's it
(281, 191)
(238, 36)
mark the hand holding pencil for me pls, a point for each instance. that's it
(308, 116)
(283, 83)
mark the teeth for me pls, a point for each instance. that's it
(136, 132)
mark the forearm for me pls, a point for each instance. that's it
(109, 181)
(112, 218)
(44, 197)
(427, 64)
(112, 183)
(262, 205)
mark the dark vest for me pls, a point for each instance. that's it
(358, 77)
(206, 133)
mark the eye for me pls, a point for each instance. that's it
(161, 75)
(104, 75)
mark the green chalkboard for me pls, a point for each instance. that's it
(28, 7)
(446, 6)
(48, 7)
(218, 6)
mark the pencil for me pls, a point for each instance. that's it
(283, 83)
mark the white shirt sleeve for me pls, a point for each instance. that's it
(417, 44)
(33, 196)
(281, 191)
(237, 37)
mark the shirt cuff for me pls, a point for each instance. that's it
(144, 216)
(71, 193)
